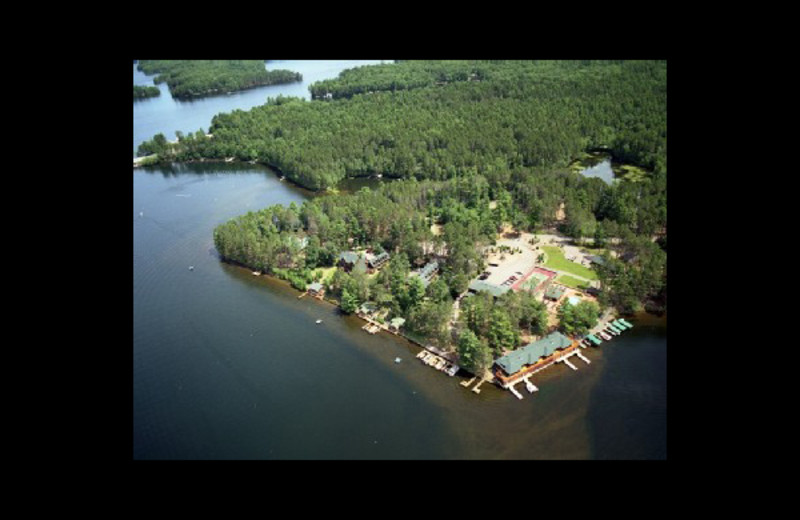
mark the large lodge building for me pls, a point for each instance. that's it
(532, 357)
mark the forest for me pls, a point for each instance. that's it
(522, 114)
(195, 78)
(141, 92)
(457, 135)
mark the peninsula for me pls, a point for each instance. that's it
(489, 249)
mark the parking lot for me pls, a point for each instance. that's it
(510, 265)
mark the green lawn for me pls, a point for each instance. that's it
(571, 281)
(556, 260)
(327, 272)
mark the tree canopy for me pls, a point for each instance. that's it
(194, 78)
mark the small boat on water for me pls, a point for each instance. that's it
(604, 336)
(318, 321)
(256, 273)
(611, 331)
(191, 268)
(397, 360)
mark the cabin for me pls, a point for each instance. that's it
(367, 309)
(316, 289)
(427, 273)
(350, 260)
(596, 260)
(518, 361)
(396, 323)
(375, 262)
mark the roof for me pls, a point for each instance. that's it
(494, 290)
(530, 353)
(426, 273)
(349, 256)
(596, 259)
(554, 291)
(368, 307)
(316, 286)
(377, 259)
(397, 322)
(429, 269)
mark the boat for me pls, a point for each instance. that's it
(256, 273)
(318, 321)
(604, 336)
(530, 386)
(191, 268)
(397, 360)
(611, 331)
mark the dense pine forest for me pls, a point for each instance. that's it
(525, 114)
(194, 78)
(140, 92)
(458, 135)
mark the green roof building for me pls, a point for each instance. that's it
(530, 353)
(495, 290)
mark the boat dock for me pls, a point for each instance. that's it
(440, 363)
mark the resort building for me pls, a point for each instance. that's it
(477, 286)
(350, 260)
(532, 358)
(427, 273)
(377, 261)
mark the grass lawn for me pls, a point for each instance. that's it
(557, 260)
(571, 281)
(327, 272)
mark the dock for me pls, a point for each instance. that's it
(566, 362)
(584, 358)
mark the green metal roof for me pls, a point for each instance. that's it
(554, 291)
(349, 256)
(494, 290)
(594, 339)
(531, 352)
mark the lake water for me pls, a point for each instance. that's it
(227, 365)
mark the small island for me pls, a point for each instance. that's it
(142, 92)
(196, 78)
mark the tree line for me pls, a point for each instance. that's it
(521, 114)
(141, 92)
(195, 78)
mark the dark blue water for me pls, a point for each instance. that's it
(227, 365)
